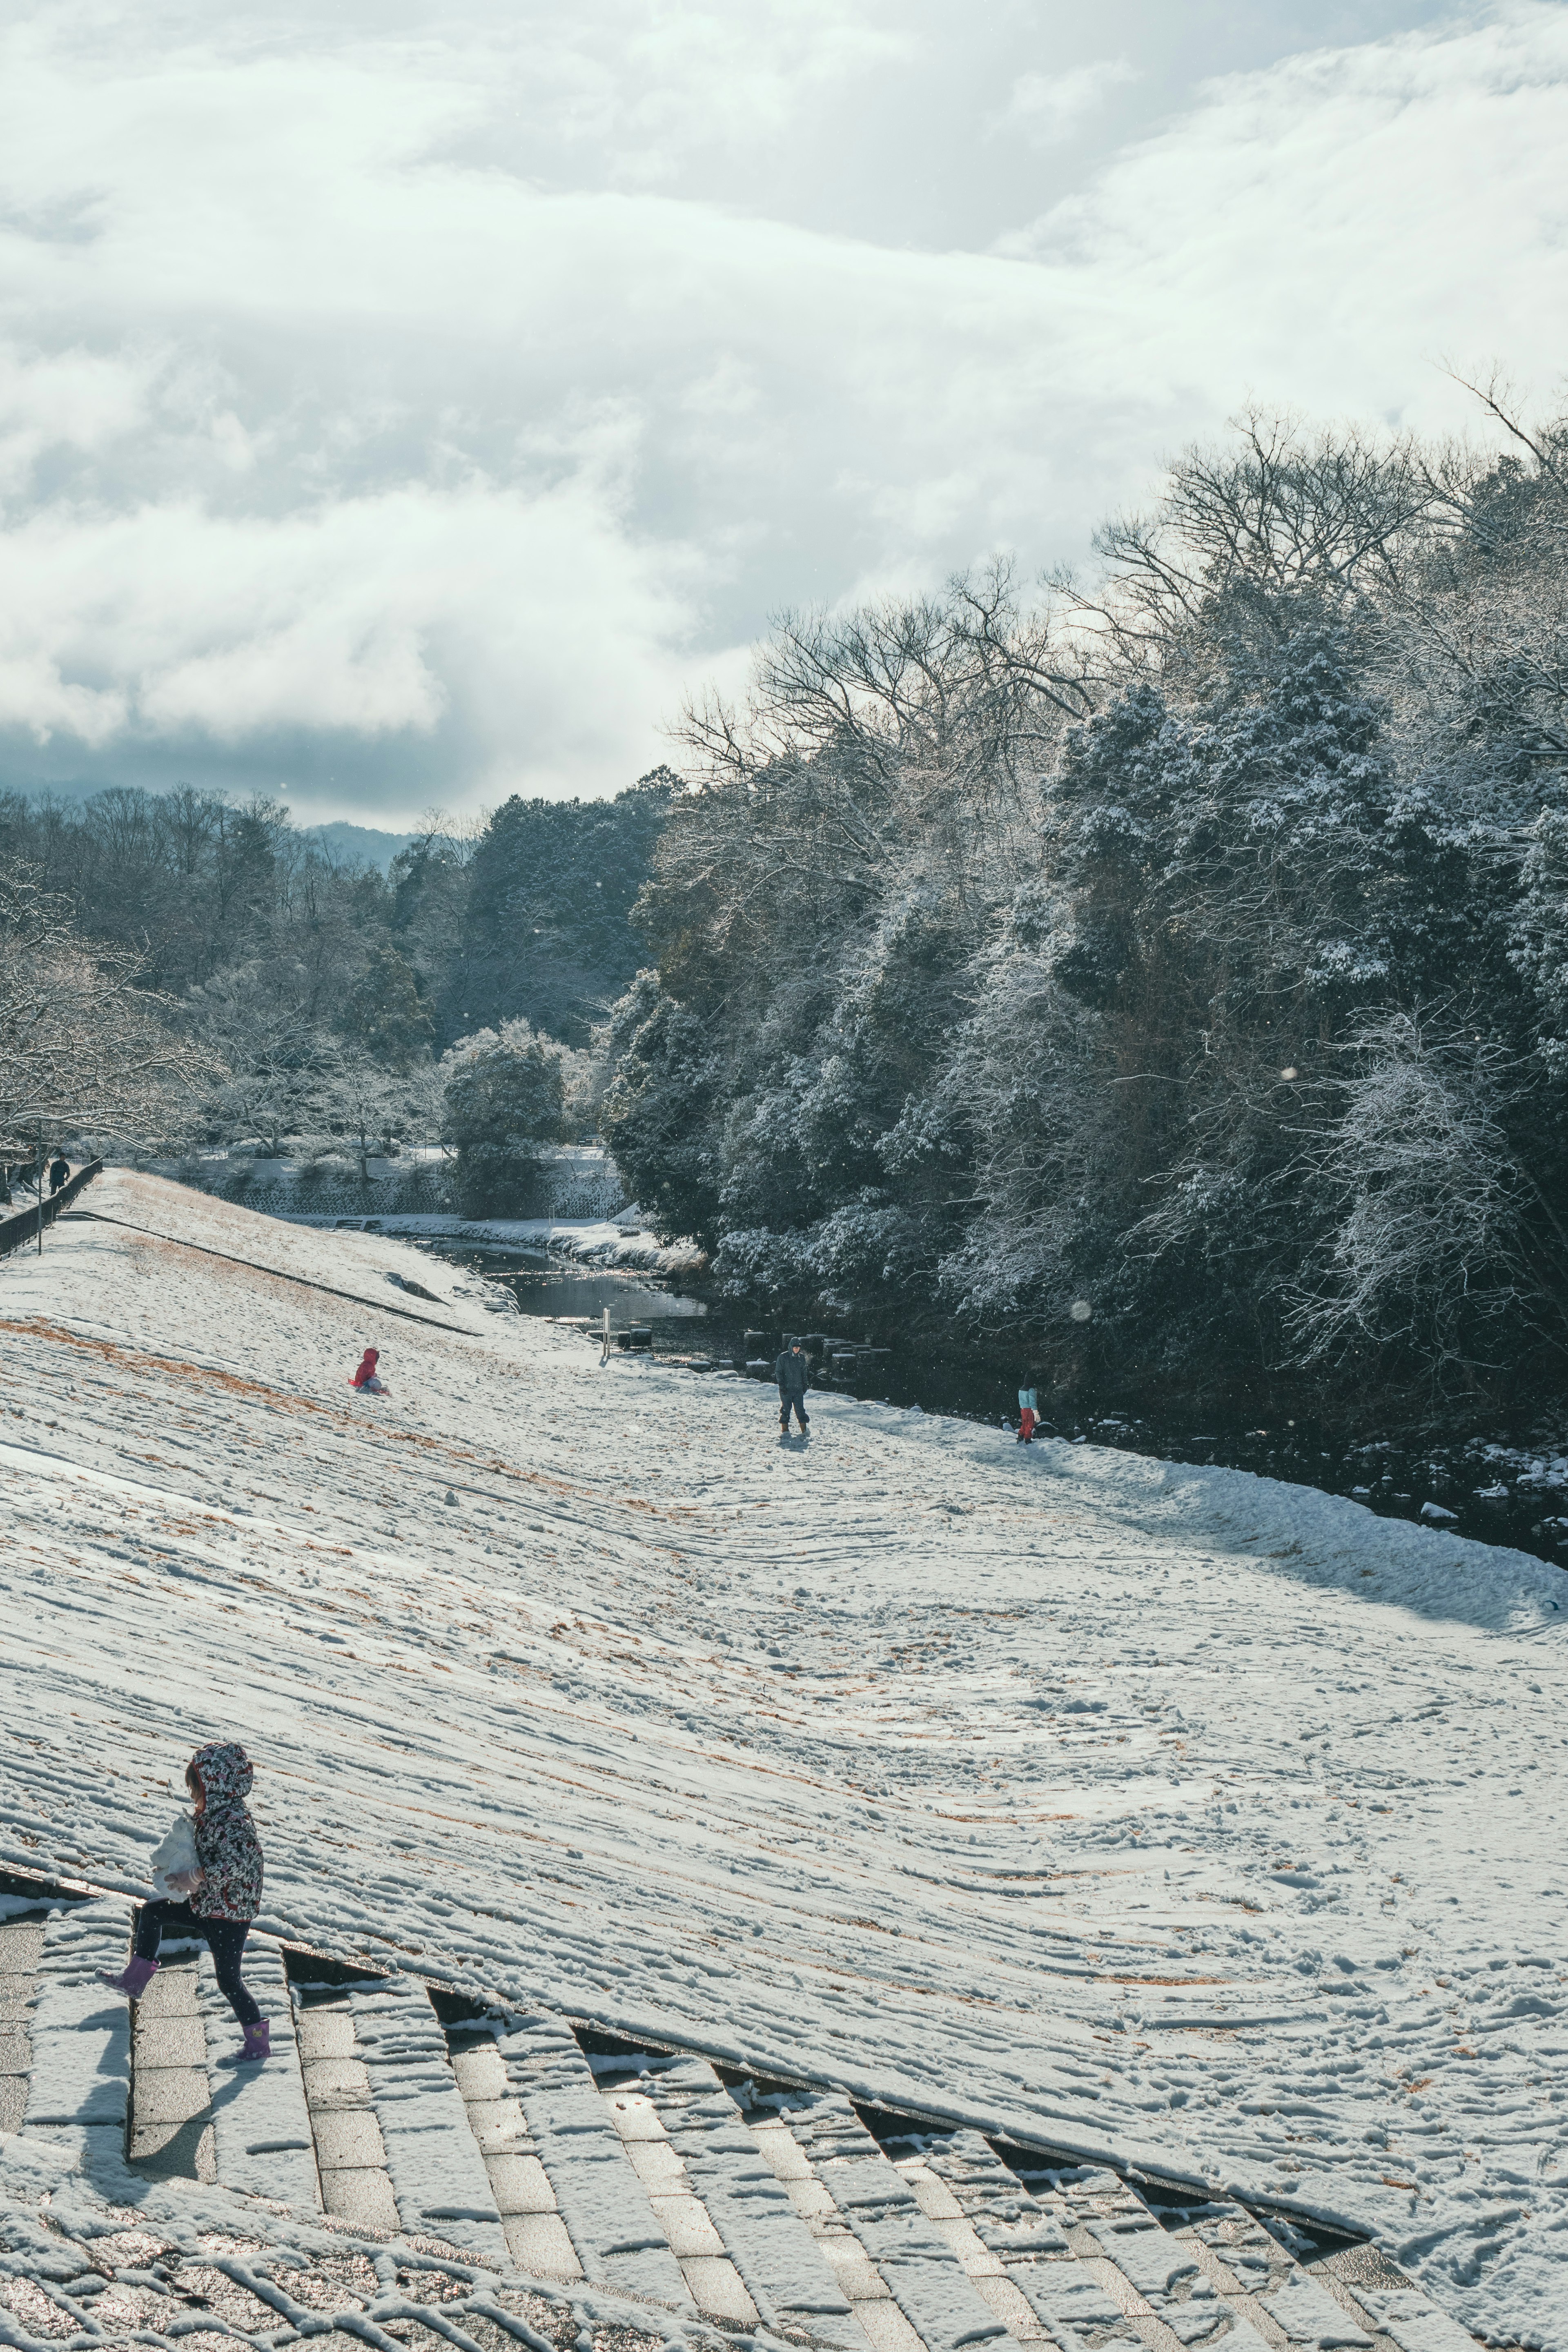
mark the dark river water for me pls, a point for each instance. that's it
(1498, 1493)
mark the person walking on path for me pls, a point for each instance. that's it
(365, 1378)
(793, 1373)
(1028, 1414)
(217, 1900)
(60, 1174)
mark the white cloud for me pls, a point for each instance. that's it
(1051, 107)
(323, 421)
(360, 617)
(73, 400)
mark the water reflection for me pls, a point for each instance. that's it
(545, 1286)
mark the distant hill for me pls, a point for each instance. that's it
(362, 841)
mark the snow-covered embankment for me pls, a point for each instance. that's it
(1161, 1811)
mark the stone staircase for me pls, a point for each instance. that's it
(551, 2178)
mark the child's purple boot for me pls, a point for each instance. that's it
(258, 2042)
(135, 1980)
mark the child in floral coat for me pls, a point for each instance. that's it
(221, 1896)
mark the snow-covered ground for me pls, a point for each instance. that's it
(1167, 1812)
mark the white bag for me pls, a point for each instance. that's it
(176, 1853)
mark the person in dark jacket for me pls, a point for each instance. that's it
(220, 1897)
(60, 1174)
(793, 1373)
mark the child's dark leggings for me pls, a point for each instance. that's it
(226, 1942)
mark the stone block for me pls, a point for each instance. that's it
(325, 2032)
(176, 2040)
(718, 2290)
(887, 2327)
(538, 2243)
(658, 2166)
(498, 2124)
(360, 2194)
(480, 2073)
(783, 2151)
(1009, 2306)
(811, 2201)
(685, 2223)
(349, 2142)
(337, 2083)
(853, 2268)
(934, 2198)
(176, 2152)
(168, 2095)
(634, 2116)
(173, 1991)
(520, 2184)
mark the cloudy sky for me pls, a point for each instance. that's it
(405, 406)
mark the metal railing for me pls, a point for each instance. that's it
(26, 1225)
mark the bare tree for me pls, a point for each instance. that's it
(1337, 515)
(927, 685)
(84, 1047)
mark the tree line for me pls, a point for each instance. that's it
(182, 972)
(1164, 979)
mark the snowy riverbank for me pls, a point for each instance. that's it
(611, 1243)
(1166, 1811)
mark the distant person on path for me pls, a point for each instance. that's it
(220, 1897)
(1028, 1415)
(60, 1174)
(366, 1378)
(793, 1373)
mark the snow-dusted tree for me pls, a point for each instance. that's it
(1242, 534)
(1423, 1250)
(505, 1097)
(814, 904)
(365, 1100)
(84, 1045)
(276, 1059)
(995, 969)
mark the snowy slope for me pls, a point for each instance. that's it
(1169, 1812)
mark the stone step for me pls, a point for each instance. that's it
(744, 2251)
(354, 2185)
(538, 2238)
(501, 2141)
(1208, 2272)
(172, 2133)
(614, 2234)
(21, 1955)
(906, 2285)
(261, 2125)
(1019, 2258)
(438, 2175)
(80, 2031)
